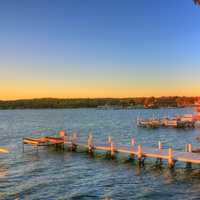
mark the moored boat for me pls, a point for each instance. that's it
(185, 121)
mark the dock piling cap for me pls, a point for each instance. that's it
(133, 141)
(3, 150)
(62, 133)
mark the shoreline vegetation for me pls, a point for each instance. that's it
(100, 103)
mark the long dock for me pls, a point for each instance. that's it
(134, 150)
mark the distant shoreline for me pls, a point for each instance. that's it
(100, 103)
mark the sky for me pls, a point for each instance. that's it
(99, 48)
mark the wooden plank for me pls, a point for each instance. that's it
(4, 150)
(187, 157)
(34, 141)
(31, 142)
(42, 140)
(150, 152)
(156, 153)
(55, 141)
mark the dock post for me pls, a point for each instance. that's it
(112, 149)
(189, 149)
(90, 143)
(74, 140)
(64, 137)
(186, 147)
(62, 133)
(139, 154)
(132, 142)
(170, 158)
(132, 148)
(109, 139)
(159, 145)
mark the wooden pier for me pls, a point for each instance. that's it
(134, 150)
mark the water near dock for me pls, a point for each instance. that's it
(55, 174)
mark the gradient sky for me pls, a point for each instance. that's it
(99, 48)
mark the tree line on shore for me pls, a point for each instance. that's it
(139, 102)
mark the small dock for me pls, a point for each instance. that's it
(136, 151)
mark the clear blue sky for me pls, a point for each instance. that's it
(104, 48)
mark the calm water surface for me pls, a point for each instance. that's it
(52, 174)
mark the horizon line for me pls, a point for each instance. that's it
(73, 98)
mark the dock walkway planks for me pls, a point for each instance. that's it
(149, 152)
(137, 150)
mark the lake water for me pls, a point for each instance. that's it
(52, 174)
